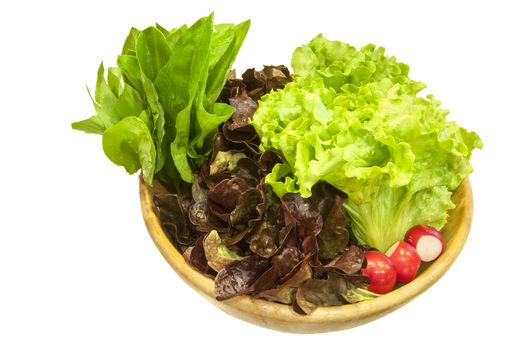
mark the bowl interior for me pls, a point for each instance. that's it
(324, 319)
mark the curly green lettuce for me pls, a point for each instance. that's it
(353, 118)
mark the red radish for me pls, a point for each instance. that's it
(380, 271)
(405, 260)
(428, 242)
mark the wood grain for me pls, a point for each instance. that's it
(324, 319)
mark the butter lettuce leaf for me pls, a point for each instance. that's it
(170, 79)
(128, 143)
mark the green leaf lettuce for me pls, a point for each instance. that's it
(170, 81)
(353, 118)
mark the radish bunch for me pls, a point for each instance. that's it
(402, 260)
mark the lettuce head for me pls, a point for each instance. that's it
(353, 118)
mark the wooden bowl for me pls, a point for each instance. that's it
(324, 319)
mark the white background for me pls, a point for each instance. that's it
(77, 267)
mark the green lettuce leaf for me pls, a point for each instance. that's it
(152, 51)
(174, 35)
(353, 118)
(114, 80)
(222, 56)
(129, 46)
(177, 83)
(170, 80)
(113, 100)
(92, 125)
(129, 143)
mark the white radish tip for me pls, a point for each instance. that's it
(392, 249)
(429, 248)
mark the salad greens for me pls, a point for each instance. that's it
(353, 118)
(233, 228)
(294, 179)
(157, 110)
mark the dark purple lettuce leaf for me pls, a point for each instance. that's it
(210, 181)
(299, 211)
(315, 292)
(241, 231)
(269, 78)
(245, 108)
(203, 220)
(243, 95)
(309, 247)
(243, 219)
(238, 129)
(268, 160)
(358, 281)
(334, 235)
(349, 262)
(172, 214)
(281, 265)
(245, 136)
(227, 193)
(284, 295)
(196, 257)
(286, 290)
(334, 291)
(307, 221)
(220, 145)
(248, 169)
(233, 87)
(269, 240)
(232, 236)
(246, 208)
(255, 83)
(277, 77)
(221, 213)
(264, 242)
(272, 207)
(236, 277)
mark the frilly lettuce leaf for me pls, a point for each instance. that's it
(353, 118)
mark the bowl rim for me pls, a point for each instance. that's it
(364, 311)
